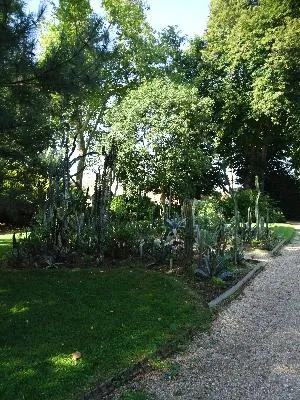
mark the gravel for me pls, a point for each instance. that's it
(253, 351)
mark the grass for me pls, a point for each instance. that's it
(113, 317)
(6, 243)
(284, 231)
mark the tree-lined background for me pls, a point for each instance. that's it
(144, 110)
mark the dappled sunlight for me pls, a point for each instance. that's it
(18, 308)
(113, 319)
(287, 369)
(25, 373)
(62, 361)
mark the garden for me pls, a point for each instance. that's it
(143, 297)
(140, 174)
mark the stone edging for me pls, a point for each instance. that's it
(279, 247)
(236, 287)
(100, 391)
(246, 278)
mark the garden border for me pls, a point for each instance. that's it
(216, 301)
(279, 246)
(128, 374)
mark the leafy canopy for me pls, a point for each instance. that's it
(162, 133)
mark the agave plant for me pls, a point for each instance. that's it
(174, 225)
(173, 241)
(213, 265)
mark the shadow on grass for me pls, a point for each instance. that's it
(114, 318)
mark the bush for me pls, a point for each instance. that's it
(124, 239)
(136, 208)
(208, 212)
(245, 199)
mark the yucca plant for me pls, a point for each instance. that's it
(173, 239)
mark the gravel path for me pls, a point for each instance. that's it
(253, 351)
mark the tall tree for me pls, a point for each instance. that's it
(161, 130)
(24, 126)
(90, 60)
(255, 45)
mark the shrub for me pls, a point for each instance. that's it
(125, 239)
(245, 199)
(134, 208)
(208, 212)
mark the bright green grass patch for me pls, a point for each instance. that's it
(284, 231)
(114, 318)
(6, 243)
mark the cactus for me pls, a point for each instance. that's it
(257, 214)
(249, 225)
(189, 230)
(201, 235)
(262, 227)
(267, 223)
(236, 229)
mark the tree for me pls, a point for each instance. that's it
(24, 126)
(161, 133)
(255, 46)
(89, 60)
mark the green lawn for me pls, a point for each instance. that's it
(6, 243)
(284, 231)
(114, 318)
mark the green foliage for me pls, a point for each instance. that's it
(24, 123)
(22, 190)
(284, 231)
(208, 212)
(134, 225)
(114, 318)
(218, 282)
(256, 82)
(126, 238)
(128, 15)
(161, 133)
(245, 199)
(125, 207)
(216, 249)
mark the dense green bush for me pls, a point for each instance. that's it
(208, 212)
(245, 199)
(134, 208)
(130, 238)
